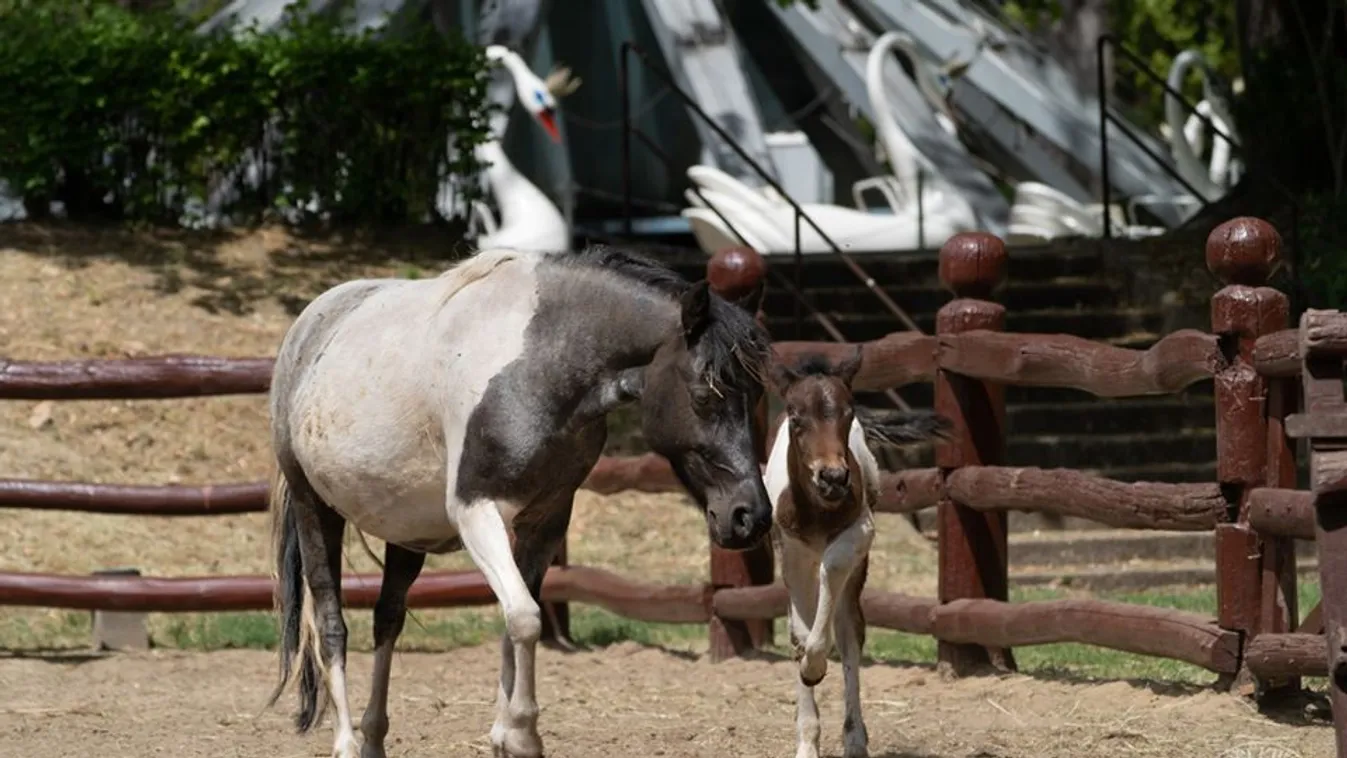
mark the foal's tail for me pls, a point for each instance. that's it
(294, 611)
(888, 426)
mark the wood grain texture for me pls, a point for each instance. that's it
(1062, 360)
(1139, 505)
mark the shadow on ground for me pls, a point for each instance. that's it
(236, 270)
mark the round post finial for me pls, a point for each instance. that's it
(1244, 250)
(972, 264)
(734, 272)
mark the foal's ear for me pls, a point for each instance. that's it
(751, 301)
(696, 304)
(781, 377)
(847, 369)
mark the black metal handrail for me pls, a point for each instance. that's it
(1106, 117)
(795, 289)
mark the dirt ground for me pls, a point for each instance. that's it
(83, 294)
(625, 700)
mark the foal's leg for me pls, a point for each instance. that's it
(849, 626)
(799, 571)
(840, 559)
(401, 567)
(320, 533)
(484, 536)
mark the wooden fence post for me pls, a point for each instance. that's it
(1325, 423)
(1243, 253)
(972, 545)
(735, 273)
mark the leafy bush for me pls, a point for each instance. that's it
(127, 115)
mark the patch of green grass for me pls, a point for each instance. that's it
(439, 630)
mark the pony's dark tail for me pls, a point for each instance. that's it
(889, 426)
(294, 612)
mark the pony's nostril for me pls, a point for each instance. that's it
(741, 520)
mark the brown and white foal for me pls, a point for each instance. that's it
(823, 481)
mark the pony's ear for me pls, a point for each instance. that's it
(848, 368)
(751, 301)
(696, 303)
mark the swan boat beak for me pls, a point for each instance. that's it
(548, 118)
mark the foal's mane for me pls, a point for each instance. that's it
(734, 345)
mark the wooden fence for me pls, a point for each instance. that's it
(1262, 371)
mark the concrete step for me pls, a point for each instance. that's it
(1104, 416)
(1174, 472)
(1134, 577)
(1057, 293)
(826, 270)
(1098, 324)
(1081, 451)
(1042, 549)
(922, 395)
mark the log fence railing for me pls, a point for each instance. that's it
(1263, 372)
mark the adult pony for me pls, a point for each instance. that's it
(435, 414)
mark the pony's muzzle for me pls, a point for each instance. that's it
(745, 520)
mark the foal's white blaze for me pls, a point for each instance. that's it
(816, 574)
(381, 369)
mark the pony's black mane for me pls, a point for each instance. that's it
(735, 347)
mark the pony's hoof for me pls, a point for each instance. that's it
(518, 743)
(855, 741)
(805, 750)
(371, 750)
(812, 670)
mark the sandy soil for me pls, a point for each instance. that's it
(70, 294)
(622, 701)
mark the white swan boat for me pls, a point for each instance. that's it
(528, 219)
(924, 210)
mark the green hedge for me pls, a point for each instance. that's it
(124, 115)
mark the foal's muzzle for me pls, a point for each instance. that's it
(833, 482)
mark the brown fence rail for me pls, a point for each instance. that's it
(1263, 372)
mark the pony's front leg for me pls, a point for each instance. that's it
(840, 559)
(515, 734)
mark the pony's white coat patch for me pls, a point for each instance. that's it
(418, 370)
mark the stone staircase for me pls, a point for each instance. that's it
(1058, 290)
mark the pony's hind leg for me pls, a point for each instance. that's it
(484, 536)
(401, 567)
(849, 628)
(320, 534)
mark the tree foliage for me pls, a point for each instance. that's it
(1157, 31)
(122, 115)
